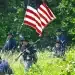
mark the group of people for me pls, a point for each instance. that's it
(28, 51)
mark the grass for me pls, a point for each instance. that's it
(46, 64)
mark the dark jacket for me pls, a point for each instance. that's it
(4, 67)
(62, 39)
(10, 44)
(57, 48)
(29, 52)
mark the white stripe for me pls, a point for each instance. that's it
(39, 28)
(43, 27)
(33, 22)
(44, 8)
(52, 14)
(32, 9)
(29, 20)
(46, 11)
(43, 14)
(43, 20)
(33, 16)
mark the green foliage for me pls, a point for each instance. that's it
(46, 64)
(12, 20)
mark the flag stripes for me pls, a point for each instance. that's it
(38, 18)
(32, 19)
(46, 15)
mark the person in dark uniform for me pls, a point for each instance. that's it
(29, 54)
(62, 38)
(57, 49)
(5, 67)
(10, 42)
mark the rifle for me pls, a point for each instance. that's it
(26, 49)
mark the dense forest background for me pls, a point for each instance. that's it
(12, 16)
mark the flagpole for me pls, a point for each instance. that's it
(28, 2)
(25, 50)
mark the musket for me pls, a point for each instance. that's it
(26, 49)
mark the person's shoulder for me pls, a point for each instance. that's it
(5, 62)
(13, 40)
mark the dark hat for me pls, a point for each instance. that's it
(10, 33)
(26, 40)
(62, 30)
(22, 39)
(58, 30)
(58, 41)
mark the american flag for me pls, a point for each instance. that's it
(38, 18)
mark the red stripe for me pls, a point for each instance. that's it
(48, 9)
(43, 17)
(33, 26)
(43, 24)
(38, 15)
(30, 24)
(51, 13)
(38, 31)
(38, 23)
(30, 17)
(28, 10)
(44, 11)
